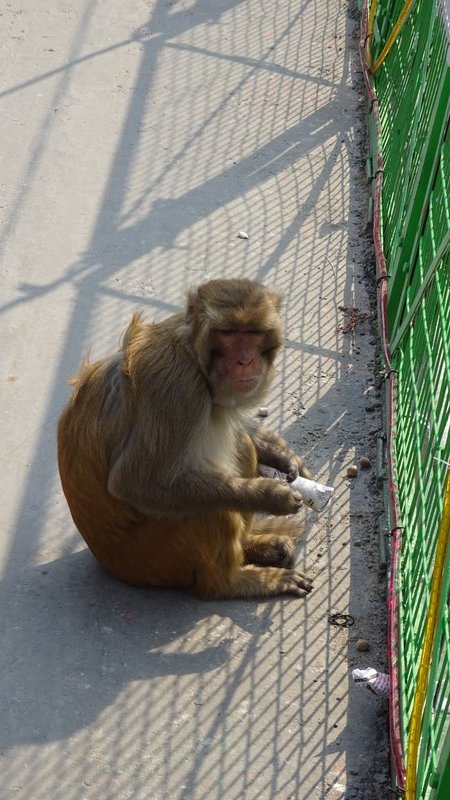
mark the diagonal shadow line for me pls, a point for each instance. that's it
(239, 167)
(256, 64)
(304, 212)
(134, 241)
(180, 22)
(46, 128)
(21, 545)
(236, 168)
(86, 313)
(74, 62)
(138, 39)
(122, 159)
(231, 689)
(279, 153)
(185, 149)
(315, 350)
(83, 313)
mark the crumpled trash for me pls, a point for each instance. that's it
(376, 682)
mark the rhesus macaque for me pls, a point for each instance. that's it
(159, 463)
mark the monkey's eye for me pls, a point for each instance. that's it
(270, 349)
(227, 333)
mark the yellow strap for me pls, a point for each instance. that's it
(370, 24)
(430, 630)
(372, 12)
(394, 33)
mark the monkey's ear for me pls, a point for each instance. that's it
(198, 312)
(191, 305)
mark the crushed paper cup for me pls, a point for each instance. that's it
(315, 495)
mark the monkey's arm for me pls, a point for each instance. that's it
(135, 481)
(274, 451)
(160, 466)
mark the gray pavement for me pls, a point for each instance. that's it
(137, 140)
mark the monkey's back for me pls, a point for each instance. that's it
(90, 430)
(140, 550)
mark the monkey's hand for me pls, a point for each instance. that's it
(277, 497)
(273, 451)
(293, 466)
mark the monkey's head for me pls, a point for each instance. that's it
(237, 332)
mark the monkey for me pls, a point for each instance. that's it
(158, 460)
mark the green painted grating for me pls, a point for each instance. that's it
(412, 88)
(422, 447)
(413, 103)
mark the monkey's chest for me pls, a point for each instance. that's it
(218, 448)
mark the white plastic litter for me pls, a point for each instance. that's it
(376, 682)
(315, 495)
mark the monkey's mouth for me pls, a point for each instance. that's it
(244, 384)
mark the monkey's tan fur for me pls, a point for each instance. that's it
(158, 464)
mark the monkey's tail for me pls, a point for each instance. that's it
(279, 526)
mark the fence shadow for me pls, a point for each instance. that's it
(113, 692)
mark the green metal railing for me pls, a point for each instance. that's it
(410, 144)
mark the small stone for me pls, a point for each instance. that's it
(242, 235)
(352, 471)
(263, 411)
(364, 462)
(358, 543)
(362, 645)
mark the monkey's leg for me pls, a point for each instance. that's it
(269, 551)
(220, 570)
(271, 542)
(266, 550)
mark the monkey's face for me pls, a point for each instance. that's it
(238, 366)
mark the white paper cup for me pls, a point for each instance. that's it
(315, 495)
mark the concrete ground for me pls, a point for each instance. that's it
(138, 139)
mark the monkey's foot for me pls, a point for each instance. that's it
(295, 582)
(270, 551)
(254, 581)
